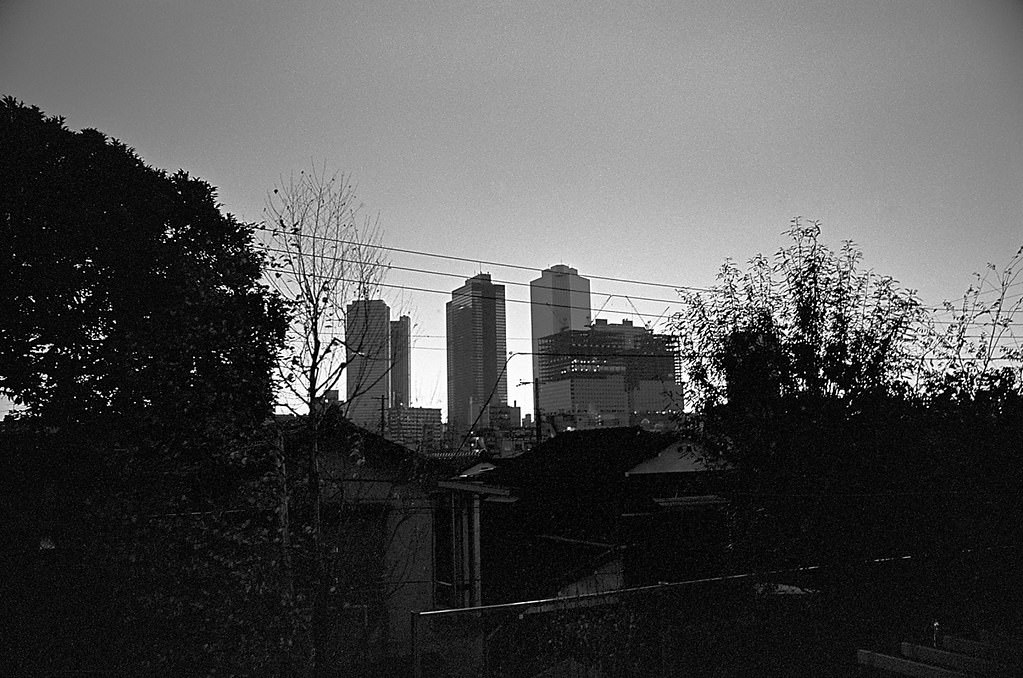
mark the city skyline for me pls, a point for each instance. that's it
(647, 142)
(502, 338)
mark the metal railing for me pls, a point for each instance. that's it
(765, 623)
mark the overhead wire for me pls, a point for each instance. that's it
(677, 301)
(496, 281)
(946, 308)
(429, 290)
(451, 257)
(677, 287)
(413, 288)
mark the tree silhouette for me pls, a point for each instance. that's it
(857, 429)
(324, 256)
(137, 336)
(809, 323)
(127, 292)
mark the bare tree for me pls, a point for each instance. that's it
(324, 255)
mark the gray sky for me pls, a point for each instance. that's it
(641, 140)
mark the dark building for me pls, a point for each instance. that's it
(476, 353)
(401, 368)
(591, 511)
(368, 350)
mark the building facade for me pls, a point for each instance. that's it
(401, 362)
(476, 353)
(607, 375)
(558, 300)
(368, 350)
(417, 428)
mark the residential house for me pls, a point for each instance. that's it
(378, 523)
(588, 511)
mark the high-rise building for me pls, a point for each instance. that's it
(401, 370)
(608, 374)
(368, 344)
(559, 300)
(476, 353)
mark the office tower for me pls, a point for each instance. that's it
(368, 344)
(476, 353)
(401, 371)
(608, 374)
(559, 300)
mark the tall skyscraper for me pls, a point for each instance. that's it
(559, 300)
(368, 344)
(476, 353)
(401, 370)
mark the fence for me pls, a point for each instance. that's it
(735, 625)
(645, 631)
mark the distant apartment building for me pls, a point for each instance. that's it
(558, 300)
(368, 350)
(505, 417)
(607, 375)
(476, 353)
(417, 428)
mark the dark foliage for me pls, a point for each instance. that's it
(127, 292)
(813, 378)
(140, 344)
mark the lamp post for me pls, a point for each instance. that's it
(536, 404)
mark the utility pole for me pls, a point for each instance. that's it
(536, 407)
(382, 420)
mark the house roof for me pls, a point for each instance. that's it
(585, 458)
(570, 486)
(679, 457)
(346, 447)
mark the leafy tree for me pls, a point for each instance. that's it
(136, 333)
(127, 292)
(810, 323)
(804, 370)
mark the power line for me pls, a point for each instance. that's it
(429, 290)
(677, 287)
(531, 269)
(710, 290)
(627, 297)
(412, 288)
(515, 283)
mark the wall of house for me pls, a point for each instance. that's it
(408, 568)
(608, 577)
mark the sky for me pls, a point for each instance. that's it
(639, 140)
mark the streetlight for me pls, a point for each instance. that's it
(536, 403)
